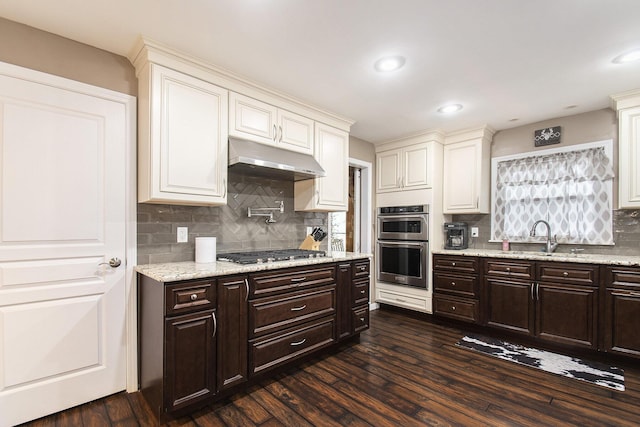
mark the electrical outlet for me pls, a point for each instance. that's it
(183, 234)
(474, 232)
(309, 230)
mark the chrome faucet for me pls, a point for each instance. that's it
(550, 246)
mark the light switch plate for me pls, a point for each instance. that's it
(183, 234)
(474, 231)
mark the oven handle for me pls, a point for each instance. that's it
(421, 217)
(415, 244)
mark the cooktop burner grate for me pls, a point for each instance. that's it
(259, 257)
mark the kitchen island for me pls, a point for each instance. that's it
(209, 330)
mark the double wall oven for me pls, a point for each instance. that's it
(403, 245)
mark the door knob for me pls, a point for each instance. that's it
(113, 263)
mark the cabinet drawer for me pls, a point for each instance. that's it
(455, 263)
(279, 281)
(361, 269)
(508, 268)
(621, 277)
(185, 297)
(268, 315)
(462, 285)
(360, 319)
(360, 292)
(456, 308)
(275, 350)
(580, 274)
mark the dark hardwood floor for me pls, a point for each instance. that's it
(403, 372)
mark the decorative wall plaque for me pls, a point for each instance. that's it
(547, 136)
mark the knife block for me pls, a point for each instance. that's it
(309, 244)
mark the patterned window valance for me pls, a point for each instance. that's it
(571, 190)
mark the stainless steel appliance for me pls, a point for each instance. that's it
(403, 245)
(457, 235)
(259, 257)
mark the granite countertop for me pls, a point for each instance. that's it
(174, 271)
(622, 260)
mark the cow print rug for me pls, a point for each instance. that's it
(583, 370)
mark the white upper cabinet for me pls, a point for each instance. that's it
(628, 108)
(261, 122)
(182, 146)
(467, 163)
(331, 192)
(405, 168)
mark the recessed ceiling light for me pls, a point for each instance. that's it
(630, 56)
(389, 63)
(514, 120)
(570, 107)
(450, 108)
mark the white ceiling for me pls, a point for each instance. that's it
(501, 59)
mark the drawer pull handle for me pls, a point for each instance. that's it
(400, 300)
(193, 297)
(298, 279)
(299, 342)
(299, 308)
(363, 268)
(565, 274)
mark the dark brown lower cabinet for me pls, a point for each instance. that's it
(622, 311)
(232, 331)
(190, 349)
(556, 302)
(510, 305)
(567, 314)
(343, 296)
(202, 339)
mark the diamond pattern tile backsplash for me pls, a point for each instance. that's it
(234, 231)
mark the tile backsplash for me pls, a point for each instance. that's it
(626, 235)
(157, 223)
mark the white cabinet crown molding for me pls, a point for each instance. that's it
(147, 50)
(628, 99)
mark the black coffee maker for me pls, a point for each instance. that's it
(457, 235)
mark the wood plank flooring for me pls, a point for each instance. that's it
(403, 372)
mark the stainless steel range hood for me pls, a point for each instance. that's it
(266, 160)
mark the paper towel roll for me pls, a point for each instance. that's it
(205, 249)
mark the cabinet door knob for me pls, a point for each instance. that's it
(362, 292)
(508, 269)
(362, 319)
(453, 264)
(453, 283)
(194, 297)
(565, 274)
(453, 308)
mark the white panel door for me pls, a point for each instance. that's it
(252, 119)
(296, 132)
(461, 189)
(62, 214)
(416, 167)
(388, 171)
(332, 152)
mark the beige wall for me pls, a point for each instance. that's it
(580, 128)
(42, 51)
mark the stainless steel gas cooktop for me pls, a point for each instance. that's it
(259, 257)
